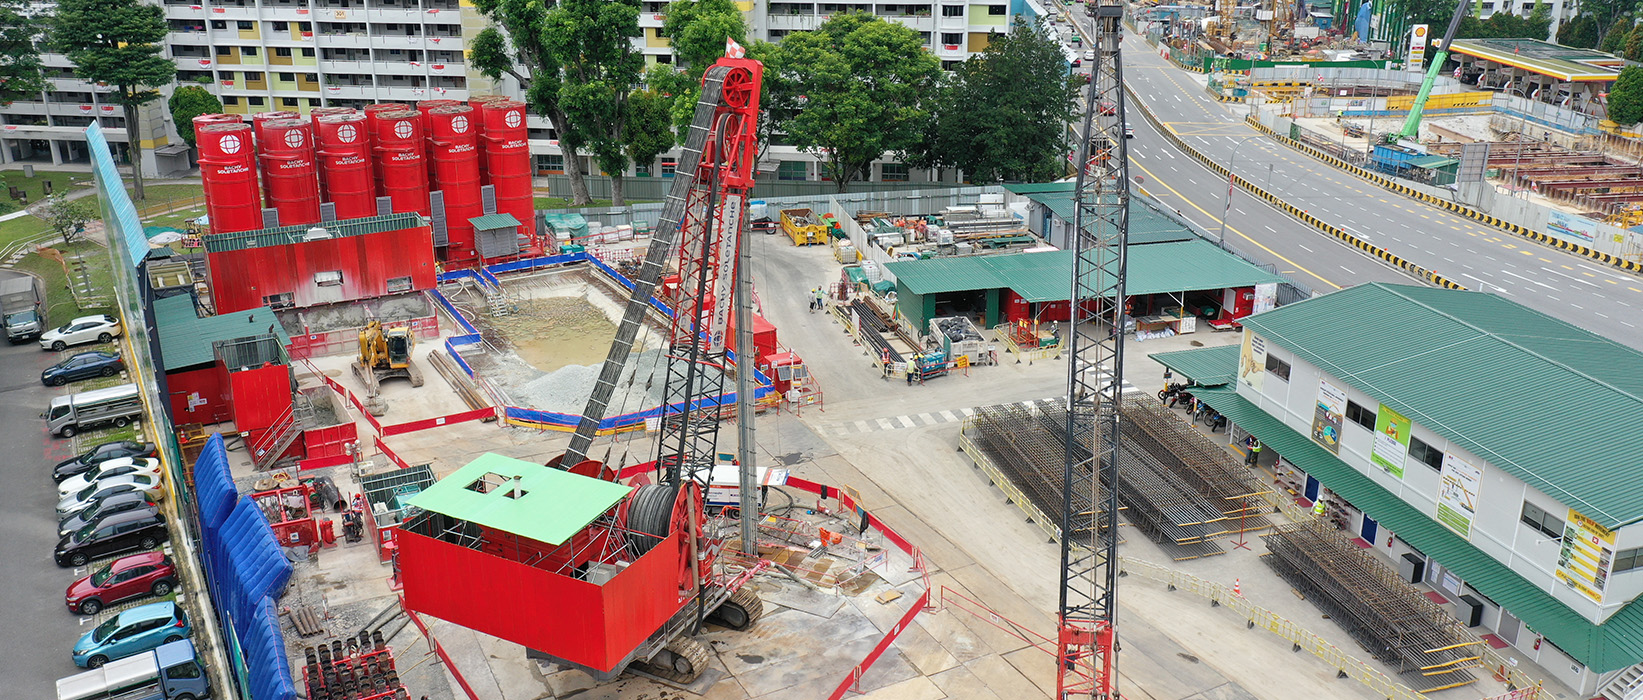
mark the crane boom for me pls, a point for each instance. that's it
(1087, 661)
(1412, 124)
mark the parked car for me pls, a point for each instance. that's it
(88, 496)
(149, 573)
(118, 503)
(105, 470)
(121, 532)
(85, 329)
(132, 632)
(102, 453)
(1089, 54)
(83, 365)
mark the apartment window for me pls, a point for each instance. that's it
(288, 77)
(950, 39)
(248, 50)
(305, 27)
(894, 172)
(1360, 415)
(219, 24)
(307, 52)
(288, 101)
(1542, 521)
(1425, 454)
(230, 100)
(669, 165)
(995, 10)
(282, 51)
(223, 50)
(550, 163)
(1277, 367)
(254, 101)
(641, 169)
(1628, 559)
(328, 279)
(792, 170)
(245, 26)
(399, 285)
(253, 75)
(952, 10)
(282, 27)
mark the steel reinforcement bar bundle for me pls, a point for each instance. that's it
(1032, 460)
(1391, 619)
(1201, 463)
(1156, 501)
(873, 330)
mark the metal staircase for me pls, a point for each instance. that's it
(1626, 685)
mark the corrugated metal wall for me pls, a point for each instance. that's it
(241, 279)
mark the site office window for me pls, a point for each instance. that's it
(1276, 367)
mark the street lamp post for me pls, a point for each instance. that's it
(1226, 205)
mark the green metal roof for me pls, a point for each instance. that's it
(1430, 162)
(185, 338)
(1158, 268)
(493, 221)
(1147, 223)
(1615, 644)
(1216, 366)
(1507, 383)
(284, 235)
(553, 505)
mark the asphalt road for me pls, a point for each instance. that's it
(1570, 287)
(38, 629)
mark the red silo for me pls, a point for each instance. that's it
(371, 111)
(318, 112)
(478, 103)
(399, 160)
(205, 119)
(228, 170)
(345, 164)
(508, 159)
(453, 148)
(261, 118)
(290, 175)
(426, 107)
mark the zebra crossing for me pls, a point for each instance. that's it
(874, 425)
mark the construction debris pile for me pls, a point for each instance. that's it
(1589, 180)
(1392, 620)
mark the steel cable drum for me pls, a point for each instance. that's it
(345, 164)
(508, 160)
(228, 171)
(454, 152)
(399, 155)
(291, 171)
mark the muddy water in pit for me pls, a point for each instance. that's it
(553, 332)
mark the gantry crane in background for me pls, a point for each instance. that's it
(1087, 663)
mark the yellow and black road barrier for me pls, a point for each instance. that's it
(1460, 209)
(1412, 269)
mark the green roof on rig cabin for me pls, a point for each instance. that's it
(1550, 403)
(285, 235)
(493, 221)
(187, 340)
(523, 498)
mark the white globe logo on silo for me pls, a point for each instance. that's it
(459, 125)
(293, 138)
(346, 133)
(403, 130)
(512, 119)
(229, 144)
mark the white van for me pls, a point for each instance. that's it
(119, 405)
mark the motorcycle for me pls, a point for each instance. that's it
(1176, 394)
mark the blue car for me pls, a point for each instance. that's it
(84, 365)
(132, 632)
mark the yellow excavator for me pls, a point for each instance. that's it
(384, 353)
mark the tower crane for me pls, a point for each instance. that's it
(1087, 661)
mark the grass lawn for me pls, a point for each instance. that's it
(35, 186)
(159, 195)
(177, 219)
(20, 228)
(60, 304)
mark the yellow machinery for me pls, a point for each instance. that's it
(384, 353)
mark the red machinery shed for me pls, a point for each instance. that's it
(194, 351)
(302, 266)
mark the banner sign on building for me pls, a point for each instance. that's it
(1327, 417)
(1417, 47)
(1391, 441)
(1266, 298)
(1570, 226)
(1458, 484)
(1252, 362)
(1587, 557)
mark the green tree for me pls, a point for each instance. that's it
(696, 30)
(513, 46)
(852, 91)
(1614, 40)
(1626, 97)
(67, 217)
(117, 43)
(592, 39)
(1634, 44)
(191, 101)
(650, 128)
(998, 116)
(1580, 32)
(20, 76)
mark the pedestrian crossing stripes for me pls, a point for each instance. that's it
(874, 425)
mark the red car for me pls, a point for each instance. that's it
(149, 573)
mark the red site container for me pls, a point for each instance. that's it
(261, 118)
(228, 169)
(399, 156)
(508, 160)
(345, 164)
(453, 147)
(290, 175)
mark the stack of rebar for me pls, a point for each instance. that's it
(1208, 468)
(355, 668)
(1032, 460)
(1394, 622)
(873, 330)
